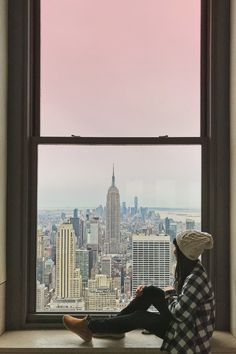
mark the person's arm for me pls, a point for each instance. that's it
(139, 290)
(170, 293)
(194, 290)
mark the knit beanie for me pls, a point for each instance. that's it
(192, 243)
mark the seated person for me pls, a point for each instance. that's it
(186, 315)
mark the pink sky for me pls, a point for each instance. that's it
(120, 67)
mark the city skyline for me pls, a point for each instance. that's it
(94, 261)
(75, 273)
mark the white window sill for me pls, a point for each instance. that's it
(62, 341)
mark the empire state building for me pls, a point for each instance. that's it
(113, 217)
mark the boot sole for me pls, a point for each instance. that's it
(109, 335)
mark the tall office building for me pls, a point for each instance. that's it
(135, 205)
(127, 286)
(75, 213)
(113, 217)
(82, 230)
(123, 210)
(94, 231)
(151, 261)
(106, 266)
(41, 297)
(76, 226)
(190, 224)
(82, 262)
(40, 244)
(65, 261)
(77, 284)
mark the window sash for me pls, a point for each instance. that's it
(23, 139)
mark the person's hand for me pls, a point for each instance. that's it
(169, 288)
(139, 290)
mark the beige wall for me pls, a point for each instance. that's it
(3, 115)
(3, 99)
(233, 165)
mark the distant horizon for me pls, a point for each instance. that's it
(160, 176)
(94, 207)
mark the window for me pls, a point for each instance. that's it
(116, 81)
(205, 138)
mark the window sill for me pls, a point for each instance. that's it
(62, 341)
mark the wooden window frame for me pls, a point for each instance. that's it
(23, 140)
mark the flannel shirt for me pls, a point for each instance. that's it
(193, 312)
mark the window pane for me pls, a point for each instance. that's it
(120, 68)
(101, 234)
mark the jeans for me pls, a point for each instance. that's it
(136, 316)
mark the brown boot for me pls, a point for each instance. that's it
(78, 326)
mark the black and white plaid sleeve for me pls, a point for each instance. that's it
(169, 294)
(194, 291)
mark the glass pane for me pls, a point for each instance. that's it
(120, 68)
(96, 224)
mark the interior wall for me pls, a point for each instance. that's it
(3, 119)
(233, 166)
(3, 157)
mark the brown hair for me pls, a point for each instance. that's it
(184, 267)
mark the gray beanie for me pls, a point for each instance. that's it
(192, 243)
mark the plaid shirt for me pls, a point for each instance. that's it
(193, 314)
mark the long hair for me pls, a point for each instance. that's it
(184, 267)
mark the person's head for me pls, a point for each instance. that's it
(188, 246)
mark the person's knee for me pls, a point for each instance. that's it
(149, 290)
(153, 291)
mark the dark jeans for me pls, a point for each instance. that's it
(135, 315)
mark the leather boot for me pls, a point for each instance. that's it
(78, 326)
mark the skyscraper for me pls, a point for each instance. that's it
(151, 261)
(190, 224)
(106, 266)
(75, 213)
(94, 231)
(82, 262)
(135, 205)
(76, 226)
(65, 261)
(113, 217)
(40, 299)
(40, 244)
(123, 210)
(127, 286)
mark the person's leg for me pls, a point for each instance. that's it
(156, 297)
(132, 317)
(138, 303)
(151, 296)
(153, 322)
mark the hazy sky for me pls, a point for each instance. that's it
(162, 176)
(120, 68)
